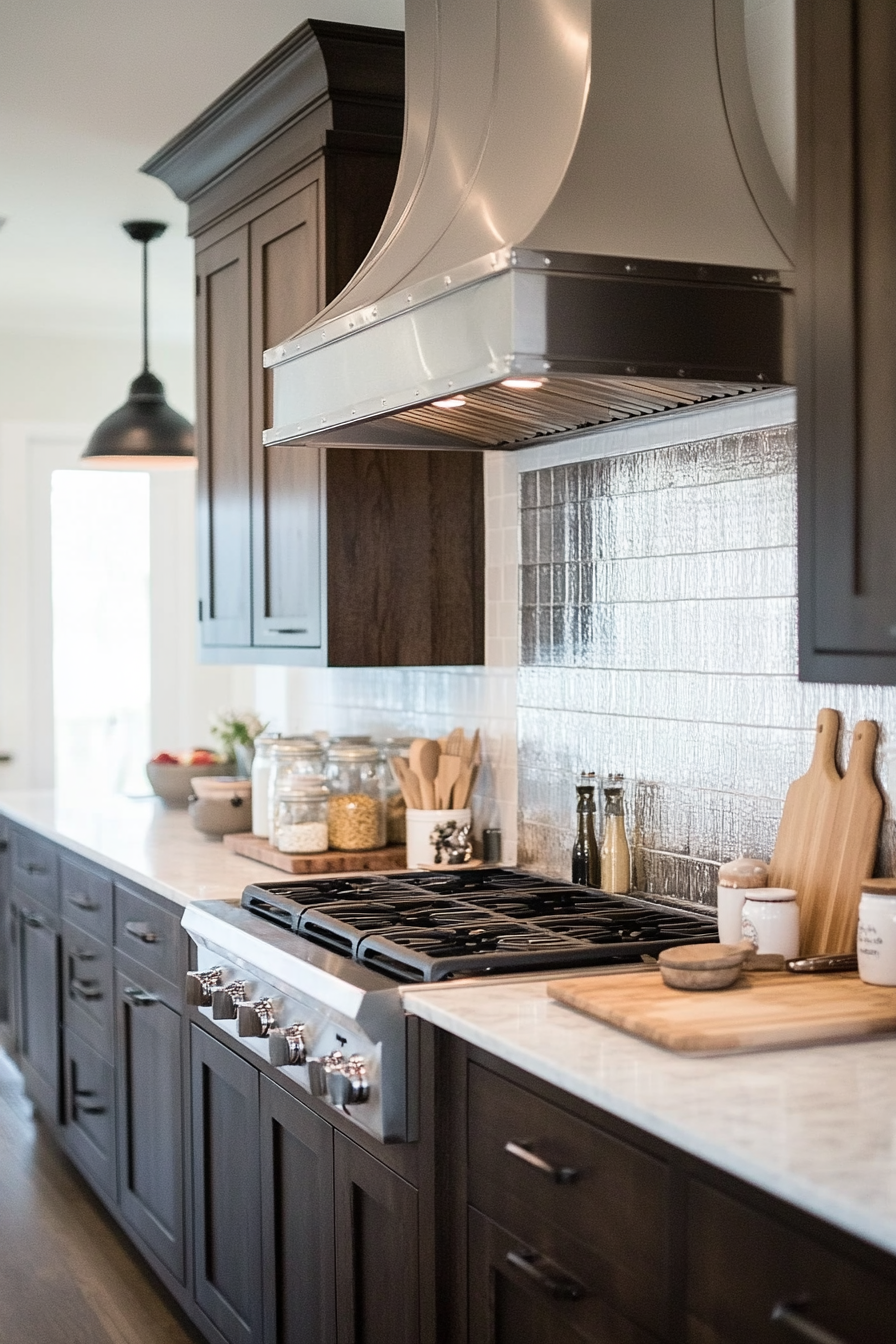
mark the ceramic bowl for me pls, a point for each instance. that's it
(172, 784)
(215, 817)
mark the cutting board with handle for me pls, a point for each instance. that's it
(827, 839)
(763, 1010)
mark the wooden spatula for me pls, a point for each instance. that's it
(424, 761)
(449, 769)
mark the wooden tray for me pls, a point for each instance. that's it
(333, 861)
(763, 1010)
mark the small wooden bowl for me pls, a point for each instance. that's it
(701, 965)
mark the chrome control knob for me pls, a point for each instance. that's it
(254, 1019)
(200, 984)
(348, 1084)
(286, 1045)
(224, 1001)
(320, 1068)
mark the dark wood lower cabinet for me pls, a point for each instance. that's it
(226, 1190)
(150, 1117)
(297, 1221)
(377, 1270)
(37, 955)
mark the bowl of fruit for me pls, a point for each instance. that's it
(170, 773)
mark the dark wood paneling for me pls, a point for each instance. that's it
(741, 1265)
(405, 545)
(87, 988)
(222, 377)
(89, 1132)
(297, 1221)
(149, 1105)
(226, 1190)
(846, 339)
(377, 1272)
(359, 189)
(286, 292)
(37, 973)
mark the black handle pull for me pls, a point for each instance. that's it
(521, 1149)
(83, 903)
(4, 844)
(35, 868)
(33, 921)
(140, 998)
(85, 989)
(792, 1316)
(289, 632)
(137, 929)
(80, 1105)
(548, 1277)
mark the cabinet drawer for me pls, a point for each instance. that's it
(572, 1192)
(86, 899)
(146, 932)
(34, 869)
(87, 1005)
(742, 1265)
(90, 1112)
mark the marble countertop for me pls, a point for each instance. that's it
(816, 1127)
(141, 839)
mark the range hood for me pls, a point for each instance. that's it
(587, 226)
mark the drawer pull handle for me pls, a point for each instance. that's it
(793, 1316)
(34, 921)
(83, 903)
(140, 998)
(289, 631)
(35, 868)
(521, 1150)
(546, 1275)
(85, 989)
(96, 1109)
(142, 931)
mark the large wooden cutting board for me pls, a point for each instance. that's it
(827, 840)
(763, 1010)
(333, 861)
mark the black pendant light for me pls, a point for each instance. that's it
(145, 432)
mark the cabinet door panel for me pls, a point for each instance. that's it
(39, 1002)
(377, 1295)
(150, 1138)
(227, 1217)
(846, 210)
(90, 1112)
(223, 371)
(297, 1218)
(286, 293)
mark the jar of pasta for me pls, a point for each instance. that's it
(357, 807)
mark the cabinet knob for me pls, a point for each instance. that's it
(286, 1045)
(255, 1019)
(225, 1001)
(347, 1083)
(200, 984)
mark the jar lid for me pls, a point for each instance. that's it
(772, 894)
(295, 746)
(347, 739)
(352, 751)
(879, 886)
(221, 786)
(265, 739)
(743, 872)
(302, 787)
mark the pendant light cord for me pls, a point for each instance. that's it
(146, 305)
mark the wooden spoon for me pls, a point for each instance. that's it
(455, 744)
(449, 769)
(463, 789)
(424, 761)
(407, 782)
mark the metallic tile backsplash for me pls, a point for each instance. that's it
(658, 632)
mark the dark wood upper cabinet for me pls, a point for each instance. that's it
(305, 555)
(846, 291)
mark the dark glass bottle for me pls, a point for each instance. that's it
(585, 851)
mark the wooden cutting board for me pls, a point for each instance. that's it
(827, 839)
(333, 861)
(763, 1010)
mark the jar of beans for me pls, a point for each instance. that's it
(357, 806)
(290, 757)
(301, 824)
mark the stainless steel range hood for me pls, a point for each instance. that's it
(587, 226)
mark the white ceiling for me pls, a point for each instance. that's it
(88, 90)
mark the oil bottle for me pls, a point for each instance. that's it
(615, 855)
(585, 851)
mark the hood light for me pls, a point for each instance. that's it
(522, 384)
(450, 403)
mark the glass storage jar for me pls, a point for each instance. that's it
(357, 808)
(300, 816)
(291, 757)
(396, 828)
(261, 773)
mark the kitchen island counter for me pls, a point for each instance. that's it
(814, 1126)
(139, 839)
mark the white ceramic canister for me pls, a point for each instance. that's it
(420, 823)
(771, 920)
(876, 942)
(735, 880)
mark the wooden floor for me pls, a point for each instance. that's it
(67, 1275)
